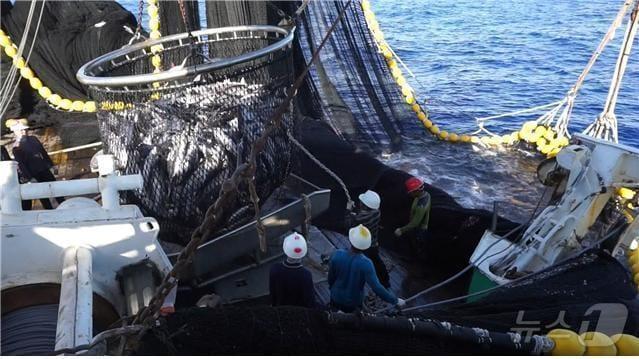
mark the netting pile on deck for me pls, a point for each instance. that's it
(186, 136)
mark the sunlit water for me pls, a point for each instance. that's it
(480, 58)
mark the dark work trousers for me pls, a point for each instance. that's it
(43, 176)
(380, 268)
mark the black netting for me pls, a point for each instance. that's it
(71, 33)
(171, 21)
(301, 331)
(186, 136)
(589, 290)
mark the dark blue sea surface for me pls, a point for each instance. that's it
(480, 58)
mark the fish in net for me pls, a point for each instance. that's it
(186, 136)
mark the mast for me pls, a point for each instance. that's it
(606, 124)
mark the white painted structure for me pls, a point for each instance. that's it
(80, 245)
(597, 169)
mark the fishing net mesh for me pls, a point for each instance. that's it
(186, 136)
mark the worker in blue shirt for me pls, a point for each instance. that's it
(350, 270)
(289, 282)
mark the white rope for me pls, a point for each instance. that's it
(561, 125)
(561, 122)
(518, 112)
(349, 202)
(519, 279)
(605, 126)
(7, 98)
(302, 7)
(8, 85)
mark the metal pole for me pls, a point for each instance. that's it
(10, 201)
(75, 311)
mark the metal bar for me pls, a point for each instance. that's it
(9, 188)
(244, 240)
(79, 187)
(75, 311)
(76, 148)
(85, 73)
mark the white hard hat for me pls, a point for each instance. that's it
(360, 237)
(294, 246)
(370, 199)
(19, 127)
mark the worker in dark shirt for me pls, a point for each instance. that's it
(5, 155)
(289, 282)
(33, 161)
(368, 215)
(349, 271)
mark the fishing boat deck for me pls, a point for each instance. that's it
(406, 277)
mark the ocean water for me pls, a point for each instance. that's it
(480, 58)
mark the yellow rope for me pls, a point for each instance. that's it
(54, 100)
(544, 137)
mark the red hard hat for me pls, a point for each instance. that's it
(413, 184)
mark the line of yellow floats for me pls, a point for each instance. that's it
(53, 99)
(546, 141)
(58, 102)
(568, 342)
(544, 138)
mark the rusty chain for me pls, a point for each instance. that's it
(185, 19)
(215, 212)
(140, 12)
(306, 225)
(259, 226)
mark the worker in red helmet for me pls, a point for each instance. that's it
(419, 211)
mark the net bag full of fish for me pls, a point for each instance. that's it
(183, 111)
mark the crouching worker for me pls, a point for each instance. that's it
(289, 282)
(350, 270)
(419, 212)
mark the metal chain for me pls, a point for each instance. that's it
(187, 25)
(259, 226)
(138, 29)
(306, 225)
(349, 202)
(214, 213)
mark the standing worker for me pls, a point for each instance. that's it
(368, 215)
(289, 282)
(350, 270)
(419, 212)
(33, 161)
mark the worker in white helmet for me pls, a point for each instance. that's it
(289, 282)
(350, 270)
(367, 214)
